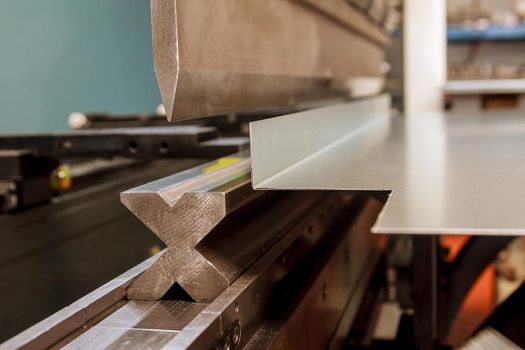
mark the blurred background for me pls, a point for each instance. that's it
(73, 56)
(485, 61)
(486, 39)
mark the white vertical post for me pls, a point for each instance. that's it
(424, 54)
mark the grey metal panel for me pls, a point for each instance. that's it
(455, 175)
(284, 143)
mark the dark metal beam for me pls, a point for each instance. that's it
(141, 143)
(425, 291)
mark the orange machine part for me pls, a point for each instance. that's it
(479, 302)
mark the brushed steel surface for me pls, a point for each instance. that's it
(282, 144)
(461, 174)
(204, 67)
(139, 325)
(181, 210)
(257, 296)
(332, 243)
(54, 254)
(195, 213)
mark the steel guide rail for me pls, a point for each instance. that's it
(107, 318)
(140, 142)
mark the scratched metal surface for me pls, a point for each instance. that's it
(456, 174)
(140, 325)
(205, 68)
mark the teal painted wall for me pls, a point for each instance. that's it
(61, 56)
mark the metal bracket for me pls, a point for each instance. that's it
(231, 337)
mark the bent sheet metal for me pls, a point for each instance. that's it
(446, 175)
